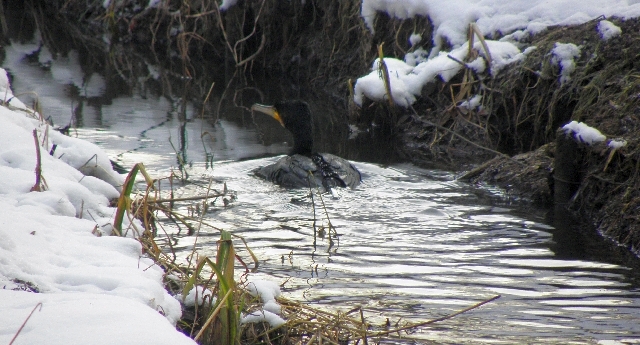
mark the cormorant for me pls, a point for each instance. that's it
(303, 167)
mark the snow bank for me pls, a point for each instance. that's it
(83, 318)
(451, 19)
(93, 288)
(407, 78)
(512, 20)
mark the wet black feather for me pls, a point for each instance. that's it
(303, 167)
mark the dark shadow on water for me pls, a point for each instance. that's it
(574, 239)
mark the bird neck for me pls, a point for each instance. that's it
(302, 146)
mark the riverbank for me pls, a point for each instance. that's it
(427, 129)
(64, 279)
(522, 109)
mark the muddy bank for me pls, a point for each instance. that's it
(525, 106)
(316, 49)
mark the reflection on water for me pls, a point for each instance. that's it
(413, 244)
(141, 128)
(166, 131)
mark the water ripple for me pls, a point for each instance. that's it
(415, 244)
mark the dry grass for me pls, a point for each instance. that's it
(311, 325)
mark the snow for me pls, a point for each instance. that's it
(616, 144)
(267, 291)
(583, 133)
(55, 250)
(416, 57)
(407, 80)
(401, 76)
(562, 56)
(94, 86)
(507, 25)
(263, 316)
(494, 17)
(226, 4)
(473, 103)
(608, 30)
(502, 54)
(414, 39)
(197, 292)
(84, 318)
(154, 3)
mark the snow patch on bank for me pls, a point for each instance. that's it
(267, 291)
(90, 288)
(407, 78)
(616, 144)
(451, 19)
(197, 294)
(608, 30)
(514, 21)
(583, 133)
(563, 55)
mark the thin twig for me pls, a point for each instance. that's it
(465, 139)
(38, 186)
(213, 315)
(191, 198)
(25, 321)
(436, 320)
(382, 66)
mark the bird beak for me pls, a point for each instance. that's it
(269, 110)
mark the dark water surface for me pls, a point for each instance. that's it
(413, 244)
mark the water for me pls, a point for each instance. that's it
(412, 244)
(417, 245)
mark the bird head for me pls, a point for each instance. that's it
(295, 116)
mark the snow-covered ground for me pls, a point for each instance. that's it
(506, 25)
(64, 279)
(56, 258)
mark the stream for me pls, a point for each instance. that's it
(412, 244)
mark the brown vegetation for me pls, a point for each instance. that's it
(603, 93)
